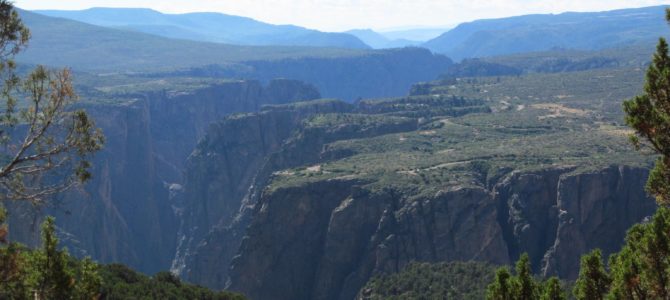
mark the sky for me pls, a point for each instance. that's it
(341, 15)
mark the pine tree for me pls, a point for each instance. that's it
(649, 115)
(552, 290)
(89, 281)
(593, 282)
(525, 287)
(625, 270)
(501, 288)
(55, 279)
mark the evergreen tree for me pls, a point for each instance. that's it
(649, 115)
(54, 278)
(625, 270)
(13, 265)
(593, 282)
(552, 290)
(501, 288)
(89, 280)
(525, 287)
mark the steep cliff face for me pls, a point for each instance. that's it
(128, 213)
(231, 167)
(359, 231)
(324, 240)
(223, 170)
(594, 211)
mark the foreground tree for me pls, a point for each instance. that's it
(593, 282)
(501, 288)
(649, 115)
(46, 143)
(552, 290)
(525, 286)
(53, 274)
(45, 147)
(522, 286)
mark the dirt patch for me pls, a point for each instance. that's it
(559, 110)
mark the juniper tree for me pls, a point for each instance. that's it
(593, 281)
(649, 114)
(552, 290)
(501, 288)
(525, 287)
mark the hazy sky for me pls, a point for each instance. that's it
(339, 15)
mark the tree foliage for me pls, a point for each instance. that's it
(51, 273)
(501, 288)
(46, 273)
(47, 143)
(552, 290)
(448, 280)
(593, 282)
(120, 282)
(649, 115)
(522, 286)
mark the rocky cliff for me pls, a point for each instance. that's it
(434, 177)
(128, 213)
(324, 240)
(243, 153)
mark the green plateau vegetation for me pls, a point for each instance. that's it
(472, 129)
(570, 60)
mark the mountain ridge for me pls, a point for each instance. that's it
(208, 27)
(540, 32)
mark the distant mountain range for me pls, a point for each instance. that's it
(131, 39)
(208, 27)
(63, 42)
(337, 72)
(530, 33)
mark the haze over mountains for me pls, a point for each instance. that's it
(479, 38)
(209, 27)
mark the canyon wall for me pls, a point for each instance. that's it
(127, 213)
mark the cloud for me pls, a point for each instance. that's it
(337, 15)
